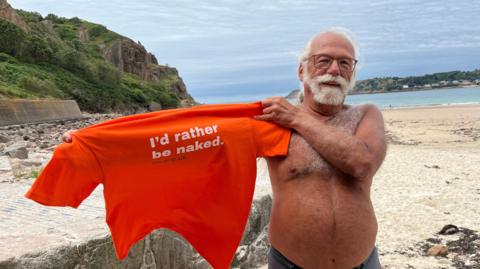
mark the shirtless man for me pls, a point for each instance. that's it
(322, 215)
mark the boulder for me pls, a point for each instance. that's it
(4, 139)
(17, 150)
(255, 254)
(258, 219)
(154, 106)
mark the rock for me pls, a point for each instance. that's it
(44, 145)
(471, 263)
(293, 95)
(17, 150)
(139, 110)
(438, 250)
(31, 144)
(241, 254)
(255, 254)
(432, 166)
(449, 229)
(82, 35)
(129, 57)
(161, 249)
(30, 163)
(258, 219)
(5, 164)
(9, 14)
(4, 139)
(154, 106)
(133, 58)
(169, 249)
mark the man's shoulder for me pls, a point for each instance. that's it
(371, 114)
(366, 106)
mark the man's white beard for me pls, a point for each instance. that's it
(328, 95)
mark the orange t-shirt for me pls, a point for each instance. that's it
(189, 170)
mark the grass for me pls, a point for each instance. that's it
(51, 62)
(26, 174)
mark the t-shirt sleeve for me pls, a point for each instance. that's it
(69, 177)
(270, 139)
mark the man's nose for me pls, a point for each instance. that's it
(333, 69)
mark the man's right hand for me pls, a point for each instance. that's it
(66, 137)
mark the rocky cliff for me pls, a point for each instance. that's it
(70, 58)
(8, 13)
(131, 57)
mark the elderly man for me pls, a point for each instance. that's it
(322, 215)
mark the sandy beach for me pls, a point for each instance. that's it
(430, 178)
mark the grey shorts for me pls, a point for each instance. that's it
(277, 261)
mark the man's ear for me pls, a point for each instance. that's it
(300, 72)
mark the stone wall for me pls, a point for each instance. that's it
(161, 249)
(28, 111)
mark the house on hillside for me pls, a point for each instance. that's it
(466, 83)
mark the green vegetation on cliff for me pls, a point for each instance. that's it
(436, 80)
(66, 59)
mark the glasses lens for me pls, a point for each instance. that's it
(324, 62)
(346, 64)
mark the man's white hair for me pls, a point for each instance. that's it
(303, 56)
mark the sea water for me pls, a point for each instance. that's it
(450, 96)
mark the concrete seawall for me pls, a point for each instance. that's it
(20, 111)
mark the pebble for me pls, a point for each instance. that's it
(449, 229)
(4, 139)
(438, 250)
(28, 146)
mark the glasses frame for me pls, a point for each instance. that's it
(355, 61)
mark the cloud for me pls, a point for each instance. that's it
(233, 45)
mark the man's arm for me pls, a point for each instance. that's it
(358, 155)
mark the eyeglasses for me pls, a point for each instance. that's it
(322, 62)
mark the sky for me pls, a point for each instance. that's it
(236, 51)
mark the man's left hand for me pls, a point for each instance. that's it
(279, 110)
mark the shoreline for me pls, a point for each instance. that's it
(430, 106)
(417, 90)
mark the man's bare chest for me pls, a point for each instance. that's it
(303, 160)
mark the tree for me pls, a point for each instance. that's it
(11, 37)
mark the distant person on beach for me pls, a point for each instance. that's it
(322, 215)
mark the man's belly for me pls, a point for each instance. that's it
(322, 223)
